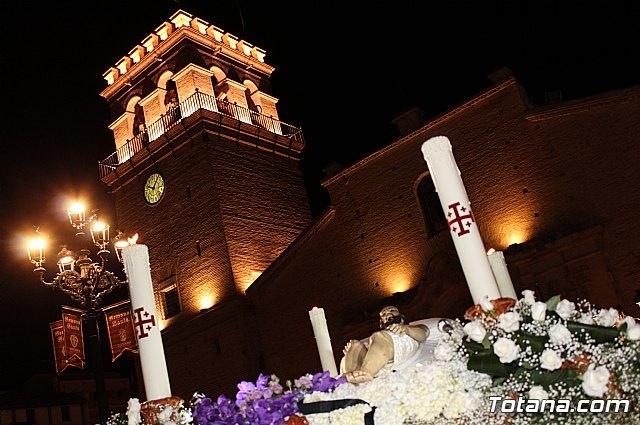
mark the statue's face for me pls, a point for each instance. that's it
(387, 316)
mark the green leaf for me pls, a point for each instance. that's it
(552, 302)
(486, 343)
(473, 347)
(599, 333)
(546, 378)
(537, 342)
(487, 362)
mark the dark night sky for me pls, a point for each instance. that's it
(342, 73)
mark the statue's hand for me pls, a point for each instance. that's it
(397, 328)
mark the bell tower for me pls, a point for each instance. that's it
(204, 169)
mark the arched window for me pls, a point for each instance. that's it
(139, 125)
(171, 103)
(434, 218)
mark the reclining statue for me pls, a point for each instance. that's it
(395, 342)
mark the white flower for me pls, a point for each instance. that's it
(586, 319)
(444, 351)
(633, 333)
(486, 304)
(538, 393)
(475, 330)
(165, 415)
(595, 380)
(630, 321)
(506, 350)
(509, 321)
(565, 309)
(607, 318)
(529, 296)
(133, 411)
(539, 311)
(559, 334)
(633, 330)
(550, 360)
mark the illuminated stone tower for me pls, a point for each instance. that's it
(208, 176)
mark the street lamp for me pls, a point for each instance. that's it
(85, 282)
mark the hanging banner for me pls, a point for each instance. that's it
(120, 329)
(57, 337)
(73, 340)
(59, 352)
(59, 356)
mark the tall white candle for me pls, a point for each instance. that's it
(444, 171)
(321, 332)
(500, 271)
(146, 322)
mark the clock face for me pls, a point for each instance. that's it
(154, 188)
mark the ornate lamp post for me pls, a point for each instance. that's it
(85, 282)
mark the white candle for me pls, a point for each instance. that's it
(146, 322)
(321, 332)
(462, 224)
(501, 273)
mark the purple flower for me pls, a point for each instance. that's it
(322, 381)
(304, 382)
(261, 403)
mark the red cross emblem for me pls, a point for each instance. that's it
(459, 219)
(143, 325)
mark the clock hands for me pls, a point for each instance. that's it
(155, 182)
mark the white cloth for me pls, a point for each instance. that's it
(404, 353)
(403, 347)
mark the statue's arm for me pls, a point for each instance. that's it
(418, 332)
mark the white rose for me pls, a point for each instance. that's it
(633, 333)
(509, 321)
(607, 318)
(486, 304)
(475, 330)
(506, 350)
(559, 334)
(538, 393)
(630, 321)
(529, 296)
(550, 360)
(539, 311)
(586, 319)
(595, 381)
(565, 309)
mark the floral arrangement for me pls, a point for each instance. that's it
(430, 392)
(553, 350)
(505, 350)
(265, 402)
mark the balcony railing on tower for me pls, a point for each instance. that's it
(193, 103)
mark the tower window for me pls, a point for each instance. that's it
(434, 218)
(170, 301)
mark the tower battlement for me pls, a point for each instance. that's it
(151, 47)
